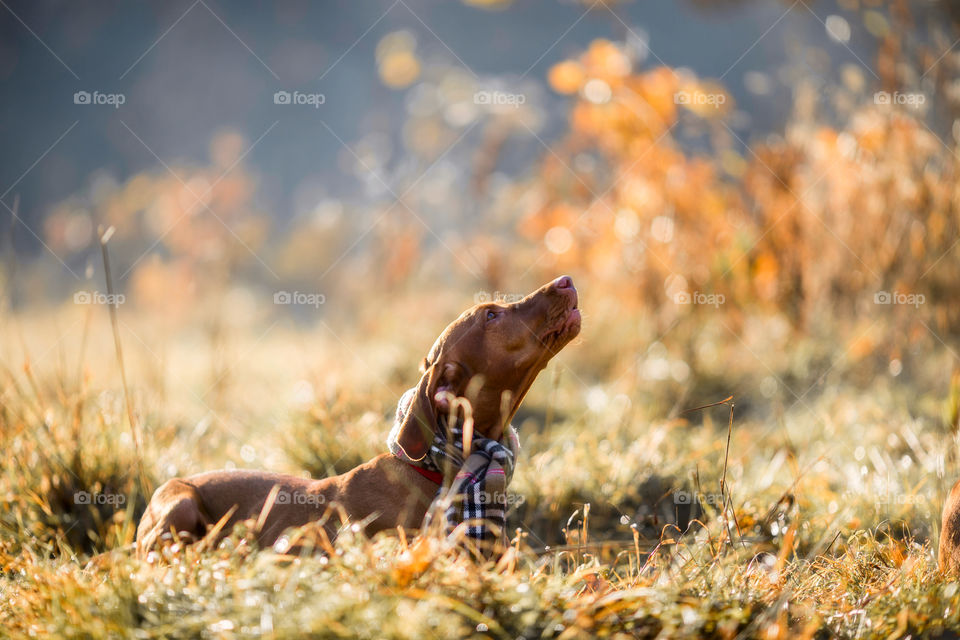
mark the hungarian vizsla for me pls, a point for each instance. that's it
(948, 556)
(490, 355)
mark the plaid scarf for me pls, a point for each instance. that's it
(477, 496)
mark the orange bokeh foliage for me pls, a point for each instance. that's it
(813, 221)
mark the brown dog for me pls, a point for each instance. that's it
(491, 355)
(948, 556)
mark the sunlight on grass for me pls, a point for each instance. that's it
(808, 277)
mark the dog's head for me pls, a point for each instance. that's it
(490, 355)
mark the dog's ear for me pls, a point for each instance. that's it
(430, 399)
(452, 380)
(433, 355)
(418, 424)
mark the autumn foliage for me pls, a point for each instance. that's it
(811, 223)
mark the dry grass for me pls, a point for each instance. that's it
(818, 517)
(835, 502)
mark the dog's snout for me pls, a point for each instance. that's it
(563, 287)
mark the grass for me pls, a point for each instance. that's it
(813, 513)
(619, 523)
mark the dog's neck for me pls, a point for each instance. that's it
(408, 402)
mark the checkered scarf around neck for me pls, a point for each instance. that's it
(470, 501)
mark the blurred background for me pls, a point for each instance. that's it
(755, 198)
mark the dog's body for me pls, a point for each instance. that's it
(192, 505)
(491, 355)
(948, 556)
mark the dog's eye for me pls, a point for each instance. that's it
(491, 314)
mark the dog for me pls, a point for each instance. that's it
(490, 356)
(948, 555)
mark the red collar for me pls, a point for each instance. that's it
(434, 476)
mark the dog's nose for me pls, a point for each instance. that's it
(564, 282)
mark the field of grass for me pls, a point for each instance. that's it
(752, 437)
(625, 526)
